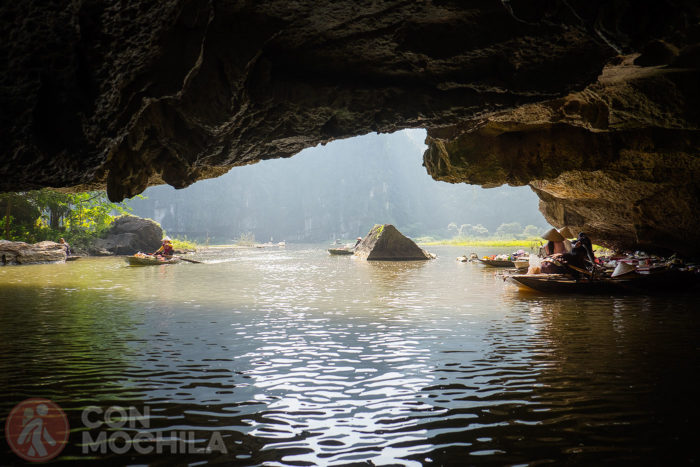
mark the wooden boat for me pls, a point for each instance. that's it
(340, 251)
(497, 263)
(561, 283)
(73, 258)
(660, 282)
(146, 260)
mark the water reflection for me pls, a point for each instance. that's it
(339, 394)
(299, 358)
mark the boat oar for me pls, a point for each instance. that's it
(581, 270)
(190, 260)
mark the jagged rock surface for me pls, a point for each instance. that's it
(94, 94)
(129, 235)
(618, 160)
(26, 253)
(386, 243)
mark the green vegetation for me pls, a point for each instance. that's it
(510, 234)
(184, 244)
(34, 216)
(532, 243)
(246, 239)
(510, 230)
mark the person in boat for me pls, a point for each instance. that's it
(357, 242)
(583, 242)
(581, 257)
(555, 244)
(573, 263)
(65, 245)
(567, 234)
(166, 248)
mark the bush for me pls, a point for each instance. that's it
(246, 239)
(184, 244)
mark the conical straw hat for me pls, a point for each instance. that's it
(566, 233)
(553, 236)
(621, 269)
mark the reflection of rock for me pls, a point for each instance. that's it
(25, 253)
(128, 235)
(385, 243)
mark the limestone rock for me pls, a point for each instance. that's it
(386, 243)
(130, 94)
(618, 160)
(25, 253)
(129, 235)
(144, 92)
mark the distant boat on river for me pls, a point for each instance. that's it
(340, 251)
(146, 260)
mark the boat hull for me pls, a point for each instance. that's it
(149, 260)
(669, 281)
(340, 251)
(495, 263)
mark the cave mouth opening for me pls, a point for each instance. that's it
(338, 191)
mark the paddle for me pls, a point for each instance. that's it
(190, 260)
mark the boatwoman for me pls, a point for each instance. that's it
(166, 249)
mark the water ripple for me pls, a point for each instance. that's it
(299, 358)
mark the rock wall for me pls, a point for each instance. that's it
(149, 92)
(129, 94)
(618, 160)
(26, 253)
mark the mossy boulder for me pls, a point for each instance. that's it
(129, 235)
(385, 243)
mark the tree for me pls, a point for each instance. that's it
(511, 229)
(452, 226)
(531, 231)
(17, 210)
(479, 230)
(43, 214)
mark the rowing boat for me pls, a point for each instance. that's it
(666, 281)
(146, 260)
(340, 251)
(497, 263)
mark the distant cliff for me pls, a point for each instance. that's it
(335, 191)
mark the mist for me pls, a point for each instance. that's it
(339, 191)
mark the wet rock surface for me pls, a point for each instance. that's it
(125, 96)
(129, 235)
(28, 253)
(386, 243)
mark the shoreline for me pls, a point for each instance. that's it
(526, 243)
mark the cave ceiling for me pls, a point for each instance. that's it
(593, 104)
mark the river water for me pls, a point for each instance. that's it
(295, 357)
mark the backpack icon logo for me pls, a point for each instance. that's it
(37, 430)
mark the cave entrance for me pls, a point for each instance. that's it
(338, 191)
